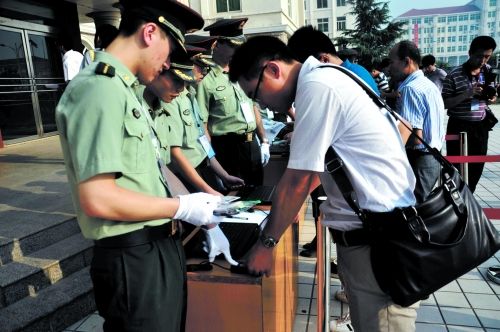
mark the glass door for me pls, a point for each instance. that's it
(31, 82)
(16, 105)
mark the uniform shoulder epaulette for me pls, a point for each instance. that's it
(105, 69)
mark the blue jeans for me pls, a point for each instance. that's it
(426, 169)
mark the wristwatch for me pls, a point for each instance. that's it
(268, 241)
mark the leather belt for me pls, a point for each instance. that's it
(357, 237)
(139, 237)
(245, 137)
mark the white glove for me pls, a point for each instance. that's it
(197, 209)
(216, 244)
(264, 153)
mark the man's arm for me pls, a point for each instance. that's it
(450, 102)
(261, 133)
(290, 194)
(100, 197)
(189, 172)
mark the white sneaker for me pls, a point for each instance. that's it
(342, 324)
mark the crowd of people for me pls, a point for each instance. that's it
(153, 96)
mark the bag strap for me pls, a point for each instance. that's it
(335, 166)
(382, 104)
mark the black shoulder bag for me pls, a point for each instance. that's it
(419, 249)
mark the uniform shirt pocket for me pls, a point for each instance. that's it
(137, 147)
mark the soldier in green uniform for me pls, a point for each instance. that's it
(118, 188)
(233, 121)
(193, 158)
(158, 97)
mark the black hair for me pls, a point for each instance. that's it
(407, 48)
(129, 24)
(248, 58)
(385, 62)
(428, 60)
(308, 41)
(106, 33)
(482, 43)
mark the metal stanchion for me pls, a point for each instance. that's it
(323, 270)
(464, 167)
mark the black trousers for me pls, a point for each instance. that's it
(141, 288)
(477, 144)
(239, 157)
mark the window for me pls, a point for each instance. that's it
(475, 17)
(340, 3)
(493, 3)
(322, 3)
(463, 17)
(452, 19)
(416, 21)
(323, 25)
(341, 21)
(441, 19)
(428, 19)
(228, 5)
(492, 14)
(305, 4)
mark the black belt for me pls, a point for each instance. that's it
(139, 237)
(357, 237)
(245, 137)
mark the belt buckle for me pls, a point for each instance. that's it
(249, 137)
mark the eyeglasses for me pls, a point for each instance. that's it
(256, 91)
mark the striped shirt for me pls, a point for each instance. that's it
(457, 82)
(422, 106)
(382, 82)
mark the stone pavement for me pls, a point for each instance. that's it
(471, 303)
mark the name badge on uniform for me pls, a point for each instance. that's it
(247, 110)
(207, 147)
(270, 114)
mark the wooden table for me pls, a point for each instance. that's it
(221, 301)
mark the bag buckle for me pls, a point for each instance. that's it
(455, 195)
(416, 224)
(333, 165)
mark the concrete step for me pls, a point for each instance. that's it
(53, 308)
(30, 274)
(24, 232)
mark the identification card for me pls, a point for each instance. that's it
(247, 110)
(207, 147)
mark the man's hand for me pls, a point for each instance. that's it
(232, 182)
(216, 244)
(260, 260)
(264, 153)
(197, 209)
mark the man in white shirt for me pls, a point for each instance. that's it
(331, 110)
(71, 61)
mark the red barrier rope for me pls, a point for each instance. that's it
(452, 137)
(492, 213)
(473, 159)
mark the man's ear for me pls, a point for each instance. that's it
(274, 69)
(148, 31)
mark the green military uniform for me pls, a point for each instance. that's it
(108, 133)
(221, 99)
(187, 126)
(233, 135)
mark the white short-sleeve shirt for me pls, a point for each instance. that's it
(72, 60)
(332, 109)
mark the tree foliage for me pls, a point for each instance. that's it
(373, 33)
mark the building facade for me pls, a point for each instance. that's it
(277, 18)
(447, 32)
(330, 16)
